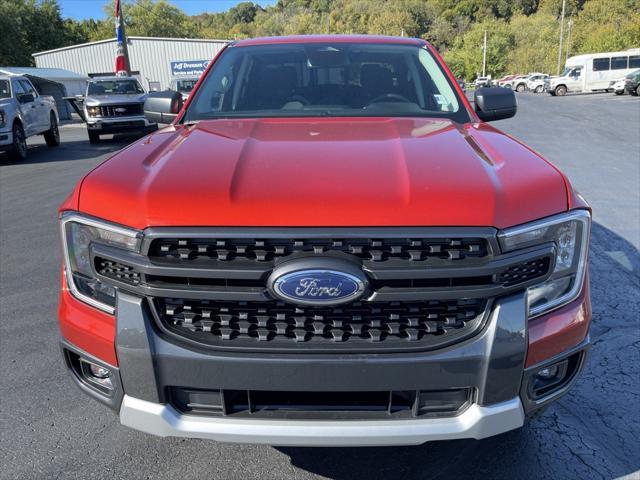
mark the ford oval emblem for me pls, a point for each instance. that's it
(318, 286)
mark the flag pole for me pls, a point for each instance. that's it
(123, 67)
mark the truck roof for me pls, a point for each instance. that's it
(329, 39)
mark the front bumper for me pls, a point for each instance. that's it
(120, 124)
(476, 422)
(492, 364)
(6, 139)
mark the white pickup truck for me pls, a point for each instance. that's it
(24, 113)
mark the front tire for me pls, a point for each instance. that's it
(538, 89)
(52, 136)
(521, 88)
(561, 90)
(18, 151)
(637, 91)
(619, 92)
(93, 137)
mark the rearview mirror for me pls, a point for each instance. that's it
(495, 103)
(163, 107)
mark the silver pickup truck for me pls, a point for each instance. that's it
(115, 105)
(24, 113)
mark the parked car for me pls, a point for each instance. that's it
(519, 83)
(304, 260)
(632, 83)
(536, 82)
(184, 84)
(115, 105)
(618, 86)
(23, 114)
(504, 81)
(482, 82)
(594, 72)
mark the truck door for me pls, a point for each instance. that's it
(40, 108)
(26, 106)
(575, 82)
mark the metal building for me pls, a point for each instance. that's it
(56, 82)
(153, 60)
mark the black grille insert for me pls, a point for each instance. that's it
(124, 110)
(321, 405)
(267, 249)
(524, 272)
(117, 271)
(282, 325)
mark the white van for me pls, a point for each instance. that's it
(594, 71)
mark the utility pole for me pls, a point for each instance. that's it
(564, 5)
(569, 24)
(484, 55)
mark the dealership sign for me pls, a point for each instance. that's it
(189, 67)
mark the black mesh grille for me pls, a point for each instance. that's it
(524, 272)
(372, 249)
(511, 276)
(427, 288)
(123, 110)
(282, 323)
(117, 271)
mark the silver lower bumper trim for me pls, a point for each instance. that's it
(476, 422)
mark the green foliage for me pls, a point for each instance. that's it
(29, 26)
(465, 58)
(536, 43)
(151, 18)
(604, 25)
(522, 34)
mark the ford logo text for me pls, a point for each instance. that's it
(318, 287)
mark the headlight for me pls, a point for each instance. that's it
(570, 233)
(78, 234)
(93, 111)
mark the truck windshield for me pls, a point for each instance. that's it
(571, 71)
(109, 87)
(339, 79)
(4, 89)
(185, 86)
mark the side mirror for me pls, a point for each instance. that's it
(494, 103)
(162, 107)
(26, 98)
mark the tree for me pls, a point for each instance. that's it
(465, 58)
(244, 12)
(149, 18)
(535, 43)
(607, 26)
(31, 26)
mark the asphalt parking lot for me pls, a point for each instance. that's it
(50, 430)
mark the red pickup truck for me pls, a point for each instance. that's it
(328, 246)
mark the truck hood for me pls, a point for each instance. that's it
(324, 172)
(114, 99)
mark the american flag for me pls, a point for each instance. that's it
(122, 67)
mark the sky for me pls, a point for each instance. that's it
(81, 9)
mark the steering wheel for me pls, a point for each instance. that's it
(298, 98)
(388, 97)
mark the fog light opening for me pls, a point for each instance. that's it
(552, 378)
(548, 372)
(96, 375)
